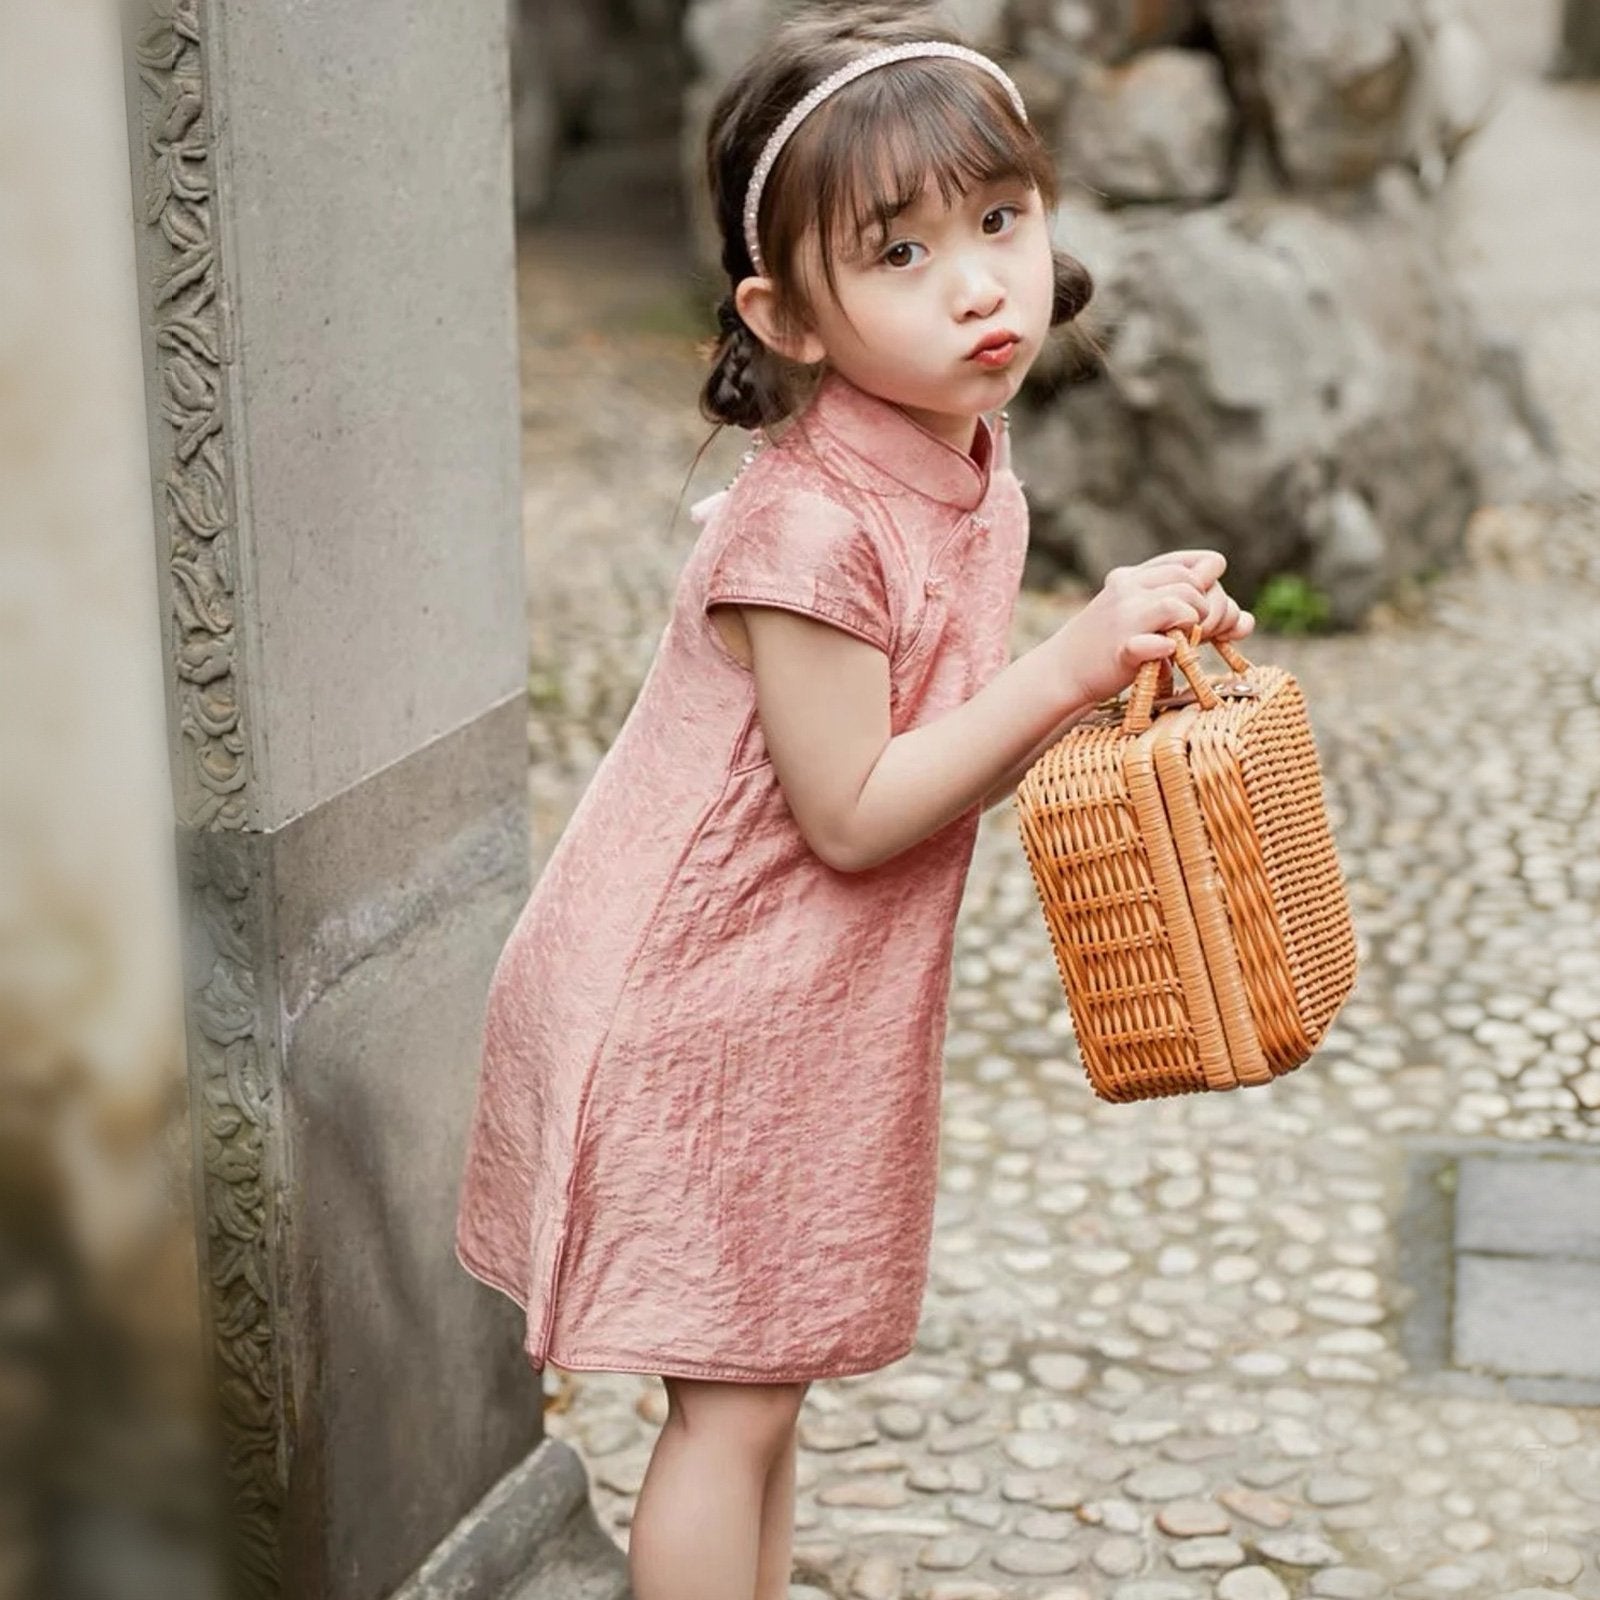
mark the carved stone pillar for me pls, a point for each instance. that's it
(323, 203)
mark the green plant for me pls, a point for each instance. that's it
(545, 688)
(1290, 603)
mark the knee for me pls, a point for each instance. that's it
(758, 1416)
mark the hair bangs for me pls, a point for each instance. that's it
(946, 133)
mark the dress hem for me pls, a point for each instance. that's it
(483, 1276)
(671, 1366)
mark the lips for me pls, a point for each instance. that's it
(993, 341)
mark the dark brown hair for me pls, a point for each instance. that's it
(862, 156)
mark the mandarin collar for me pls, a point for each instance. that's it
(898, 445)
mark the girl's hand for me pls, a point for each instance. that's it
(1225, 618)
(1103, 647)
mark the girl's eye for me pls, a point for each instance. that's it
(901, 244)
(910, 244)
(1008, 206)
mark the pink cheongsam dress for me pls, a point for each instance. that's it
(706, 1133)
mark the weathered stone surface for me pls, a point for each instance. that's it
(1529, 1206)
(1288, 385)
(1251, 1583)
(1110, 30)
(1338, 92)
(1461, 83)
(1579, 54)
(1157, 128)
(1331, 84)
(983, 23)
(1528, 1315)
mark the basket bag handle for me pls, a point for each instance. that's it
(1158, 674)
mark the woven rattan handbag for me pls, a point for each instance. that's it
(1184, 860)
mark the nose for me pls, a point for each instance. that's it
(978, 289)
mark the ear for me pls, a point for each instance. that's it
(756, 299)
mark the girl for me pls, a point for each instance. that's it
(706, 1135)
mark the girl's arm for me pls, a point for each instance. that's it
(1007, 785)
(860, 795)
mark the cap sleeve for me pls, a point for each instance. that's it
(796, 549)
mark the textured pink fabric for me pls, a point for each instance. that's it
(705, 1139)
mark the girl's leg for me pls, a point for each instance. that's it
(777, 1523)
(696, 1530)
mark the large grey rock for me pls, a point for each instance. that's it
(1519, 448)
(1110, 30)
(983, 23)
(1333, 84)
(1288, 384)
(1461, 81)
(1053, 41)
(1339, 92)
(1579, 52)
(1158, 128)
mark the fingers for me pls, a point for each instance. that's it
(1232, 621)
(1222, 611)
(1172, 590)
(1170, 577)
(1224, 617)
(1180, 606)
(1144, 647)
(1151, 591)
(1167, 573)
(1211, 562)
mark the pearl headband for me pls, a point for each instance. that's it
(837, 80)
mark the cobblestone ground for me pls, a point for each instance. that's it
(1160, 1354)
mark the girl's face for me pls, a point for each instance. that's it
(923, 295)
